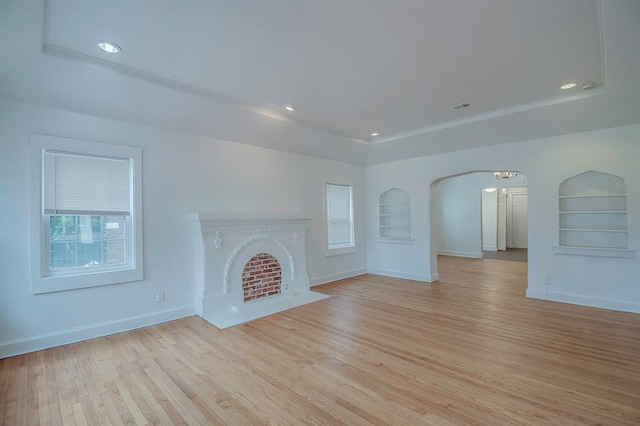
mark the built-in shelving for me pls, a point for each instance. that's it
(593, 196)
(593, 212)
(395, 216)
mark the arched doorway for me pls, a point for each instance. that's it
(456, 216)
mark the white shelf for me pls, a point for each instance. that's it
(395, 240)
(594, 212)
(395, 216)
(592, 196)
(594, 230)
(594, 251)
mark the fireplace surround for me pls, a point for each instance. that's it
(226, 245)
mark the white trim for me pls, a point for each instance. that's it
(575, 299)
(490, 248)
(399, 274)
(594, 252)
(391, 240)
(267, 111)
(473, 255)
(41, 282)
(554, 100)
(435, 277)
(49, 340)
(347, 248)
(325, 279)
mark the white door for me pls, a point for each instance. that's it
(502, 221)
(519, 220)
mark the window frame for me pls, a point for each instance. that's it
(42, 279)
(344, 248)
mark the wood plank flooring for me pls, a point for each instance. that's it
(470, 349)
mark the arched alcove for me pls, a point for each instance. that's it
(593, 211)
(395, 214)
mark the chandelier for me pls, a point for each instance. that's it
(505, 175)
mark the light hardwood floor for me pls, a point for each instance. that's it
(470, 349)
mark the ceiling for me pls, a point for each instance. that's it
(226, 68)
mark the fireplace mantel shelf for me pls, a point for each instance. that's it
(226, 219)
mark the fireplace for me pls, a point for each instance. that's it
(250, 267)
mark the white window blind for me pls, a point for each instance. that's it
(80, 184)
(339, 217)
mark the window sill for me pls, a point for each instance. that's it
(594, 252)
(340, 251)
(390, 240)
(53, 284)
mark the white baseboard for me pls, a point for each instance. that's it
(490, 248)
(400, 274)
(338, 276)
(435, 277)
(460, 254)
(575, 299)
(49, 340)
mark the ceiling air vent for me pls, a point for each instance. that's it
(460, 106)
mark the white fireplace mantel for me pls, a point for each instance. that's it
(225, 243)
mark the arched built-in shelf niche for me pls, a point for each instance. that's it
(593, 212)
(395, 216)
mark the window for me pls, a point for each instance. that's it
(339, 210)
(86, 214)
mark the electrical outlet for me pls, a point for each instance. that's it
(160, 296)
(185, 287)
(547, 278)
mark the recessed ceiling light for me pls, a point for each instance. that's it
(290, 108)
(374, 134)
(109, 47)
(568, 86)
(588, 85)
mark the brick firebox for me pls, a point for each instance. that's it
(261, 277)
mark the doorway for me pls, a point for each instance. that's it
(455, 222)
(505, 223)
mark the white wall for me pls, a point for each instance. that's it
(182, 174)
(461, 212)
(490, 221)
(596, 281)
(459, 219)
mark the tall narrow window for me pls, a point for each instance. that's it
(86, 214)
(340, 232)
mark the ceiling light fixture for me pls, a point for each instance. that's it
(460, 106)
(109, 47)
(505, 175)
(568, 86)
(290, 108)
(374, 134)
(490, 189)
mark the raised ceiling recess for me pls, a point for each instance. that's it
(348, 66)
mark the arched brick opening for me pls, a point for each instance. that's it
(261, 277)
